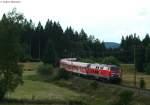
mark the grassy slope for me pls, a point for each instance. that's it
(39, 90)
(74, 89)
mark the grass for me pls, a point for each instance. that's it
(67, 92)
(39, 90)
(128, 76)
(104, 94)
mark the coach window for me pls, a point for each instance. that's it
(105, 68)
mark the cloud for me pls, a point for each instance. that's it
(143, 12)
(108, 20)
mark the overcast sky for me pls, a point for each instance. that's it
(107, 20)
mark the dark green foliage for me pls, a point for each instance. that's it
(2, 89)
(45, 70)
(49, 73)
(10, 71)
(94, 85)
(147, 68)
(38, 38)
(142, 83)
(127, 47)
(50, 42)
(63, 74)
(110, 60)
(125, 98)
(139, 58)
(50, 55)
(147, 54)
(135, 51)
(146, 40)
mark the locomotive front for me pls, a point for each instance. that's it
(115, 72)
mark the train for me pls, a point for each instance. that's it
(105, 72)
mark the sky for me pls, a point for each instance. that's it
(107, 20)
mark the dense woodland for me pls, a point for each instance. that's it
(49, 43)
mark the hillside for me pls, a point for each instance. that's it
(75, 91)
(111, 45)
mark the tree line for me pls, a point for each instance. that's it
(50, 42)
(134, 50)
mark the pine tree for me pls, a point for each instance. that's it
(39, 35)
(147, 54)
(146, 40)
(50, 55)
(139, 58)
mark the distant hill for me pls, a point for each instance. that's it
(111, 45)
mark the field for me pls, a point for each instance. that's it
(39, 90)
(128, 76)
(75, 91)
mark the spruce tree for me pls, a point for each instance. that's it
(50, 55)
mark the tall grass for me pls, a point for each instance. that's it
(127, 68)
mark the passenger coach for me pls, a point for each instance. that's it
(98, 71)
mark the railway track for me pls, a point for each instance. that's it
(145, 92)
(139, 91)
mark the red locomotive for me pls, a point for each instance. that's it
(98, 71)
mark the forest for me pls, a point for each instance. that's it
(50, 43)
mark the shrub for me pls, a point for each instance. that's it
(142, 83)
(125, 98)
(45, 70)
(49, 73)
(110, 60)
(2, 89)
(147, 69)
(25, 58)
(63, 74)
(94, 85)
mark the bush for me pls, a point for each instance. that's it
(63, 74)
(49, 73)
(125, 98)
(25, 58)
(110, 60)
(142, 83)
(147, 69)
(94, 85)
(2, 89)
(45, 70)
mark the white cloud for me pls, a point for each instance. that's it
(106, 19)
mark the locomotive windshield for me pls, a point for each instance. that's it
(114, 68)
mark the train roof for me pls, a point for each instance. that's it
(81, 64)
(72, 61)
